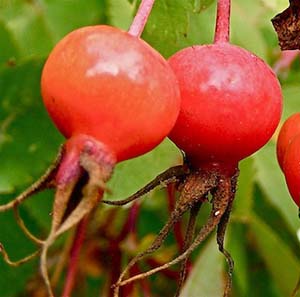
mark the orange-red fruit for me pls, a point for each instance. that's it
(289, 130)
(231, 103)
(291, 168)
(108, 84)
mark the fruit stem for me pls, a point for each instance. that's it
(74, 256)
(141, 17)
(222, 21)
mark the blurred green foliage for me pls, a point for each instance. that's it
(262, 235)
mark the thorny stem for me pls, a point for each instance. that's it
(141, 17)
(74, 256)
(171, 175)
(220, 202)
(187, 242)
(222, 21)
(45, 181)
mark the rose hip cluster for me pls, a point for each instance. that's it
(114, 97)
(288, 154)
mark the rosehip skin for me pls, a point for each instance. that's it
(231, 103)
(105, 83)
(288, 131)
(291, 168)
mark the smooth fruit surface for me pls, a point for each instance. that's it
(291, 168)
(289, 130)
(231, 103)
(108, 84)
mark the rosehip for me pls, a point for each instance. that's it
(110, 85)
(231, 103)
(289, 130)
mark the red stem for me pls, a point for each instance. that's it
(116, 259)
(141, 17)
(222, 21)
(74, 256)
(115, 251)
(130, 223)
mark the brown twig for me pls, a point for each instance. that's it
(171, 175)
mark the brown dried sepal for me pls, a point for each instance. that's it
(287, 26)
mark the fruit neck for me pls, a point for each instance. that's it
(219, 168)
(222, 28)
(141, 18)
(81, 149)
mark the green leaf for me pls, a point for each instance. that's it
(28, 139)
(13, 279)
(291, 100)
(272, 181)
(63, 17)
(276, 5)
(120, 13)
(9, 51)
(282, 263)
(235, 238)
(236, 234)
(243, 201)
(206, 278)
(38, 25)
(27, 22)
(244, 29)
(200, 5)
(274, 219)
(174, 24)
(260, 280)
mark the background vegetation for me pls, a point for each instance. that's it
(262, 235)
